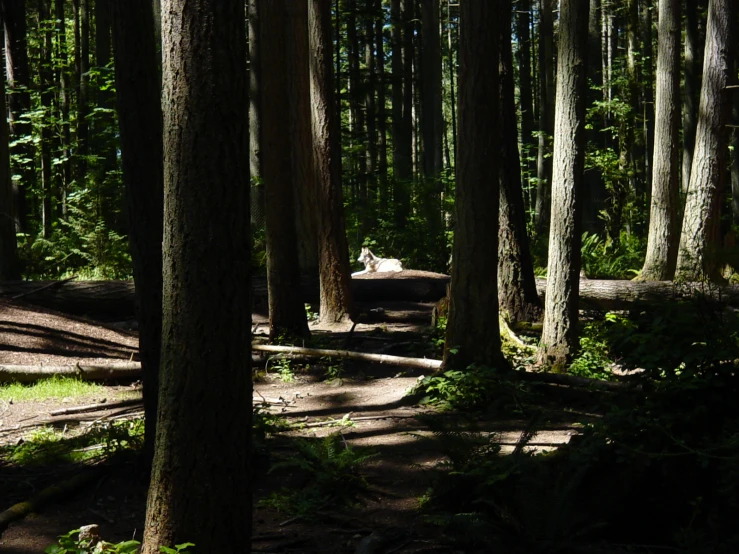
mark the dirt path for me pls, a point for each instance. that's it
(370, 397)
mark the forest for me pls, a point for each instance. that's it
(473, 261)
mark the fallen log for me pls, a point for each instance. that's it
(96, 407)
(86, 372)
(115, 299)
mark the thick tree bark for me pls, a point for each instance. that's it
(286, 311)
(473, 334)
(203, 494)
(700, 240)
(138, 86)
(9, 268)
(559, 338)
(735, 153)
(336, 304)
(298, 76)
(19, 102)
(664, 223)
(517, 296)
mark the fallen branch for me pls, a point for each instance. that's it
(96, 407)
(50, 285)
(86, 372)
(22, 509)
(423, 363)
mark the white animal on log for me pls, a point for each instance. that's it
(373, 264)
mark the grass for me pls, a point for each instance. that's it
(55, 387)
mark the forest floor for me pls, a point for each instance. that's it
(371, 396)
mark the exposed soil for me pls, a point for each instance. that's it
(372, 395)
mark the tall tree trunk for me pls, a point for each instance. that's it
(648, 99)
(691, 88)
(63, 77)
(83, 109)
(298, 76)
(205, 386)
(45, 84)
(19, 102)
(699, 241)
(401, 142)
(594, 191)
(559, 341)
(105, 121)
(336, 304)
(381, 108)
(546, 115)
(9, 268)
(370, 85)
(472, 334)
(138, 88)
(357, 160)
(286, 309)
(255, 119)
(431, 122)
(406, 136)
(664, 223)
(526, 101)
(517, 296)
(735, 153)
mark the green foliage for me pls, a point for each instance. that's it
(68, 544)
(46, 446)
(283, 368)
(593, 359)
(476, 388)
(601, 260)
(331, 471)
(54, 387)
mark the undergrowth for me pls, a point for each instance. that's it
(329, 473)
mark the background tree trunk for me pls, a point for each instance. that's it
(336, 304)
(697, 257)
(692, 87)
(138, 86)
(205, 384)
(9, 268)
(255, 119)
(286, 310)
(517, 296)
(546, 116)
(664, 224)
(19, 102)
(559, 340)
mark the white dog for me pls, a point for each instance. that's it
(373, 264)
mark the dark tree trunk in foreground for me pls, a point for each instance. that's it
(336, 304)
(559, 339)
(286, 311)
(138, 87)
(255, 118)
(664, 225)
(517, 296)
(9, 268)
(200, 487)
(473, 333)
(699, 241)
